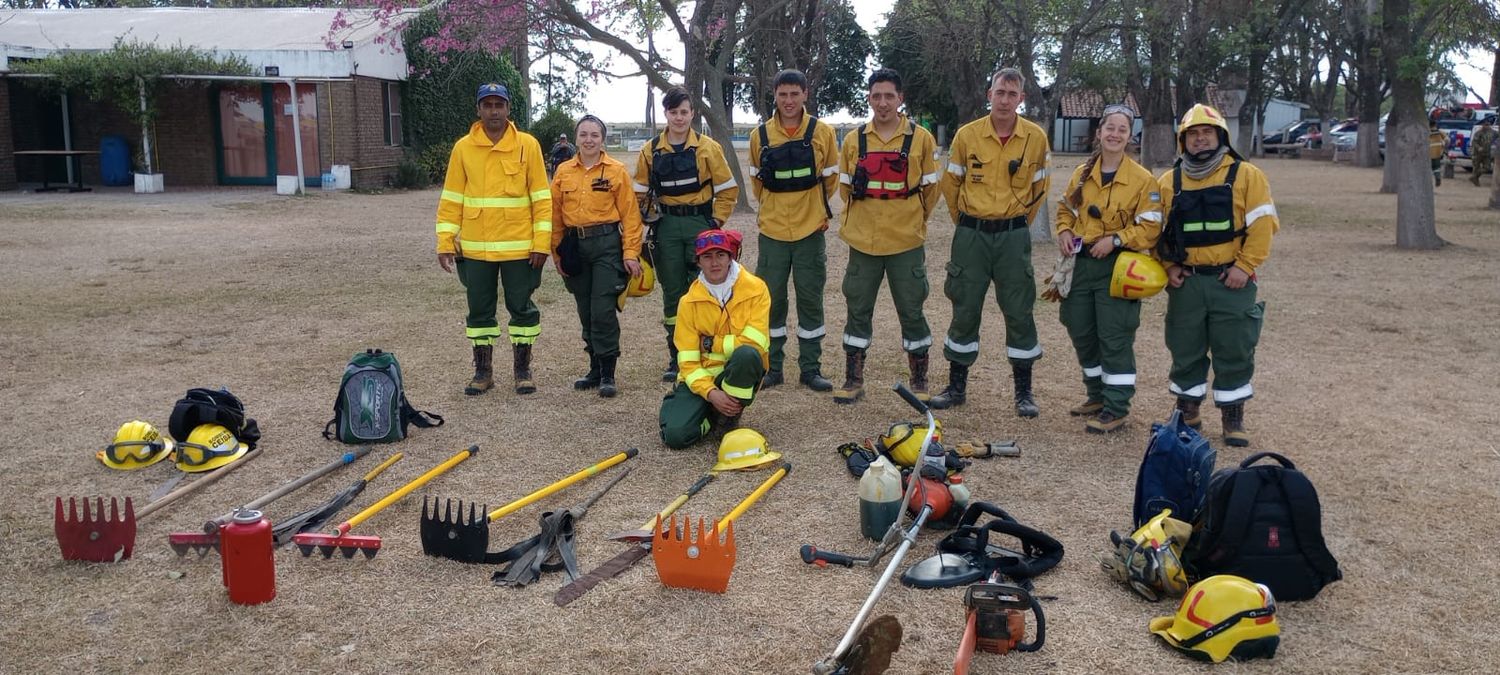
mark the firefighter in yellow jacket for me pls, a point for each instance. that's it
(695, 191)
(794, 168)
(1219, 223)
(596, 240)
(889, 180)
(722, 337)
(494, 226)
(996, 180)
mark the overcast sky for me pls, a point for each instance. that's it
(625, 100)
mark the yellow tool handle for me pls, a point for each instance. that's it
(539, 494)
(383, 466)
(402, 491)
(754, 496)
(677, 503)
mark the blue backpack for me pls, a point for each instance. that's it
(1174, 473)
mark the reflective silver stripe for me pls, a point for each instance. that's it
(778, 332)
(1232, 395)
(929, 178)
(1148, 217)
(966, 348)
(804, 334)
(1040, 174)
(640, 188)
(1259, 212)
(830, 171)
(1093, 371)
(754, 171)
(1191, 392)
(725, 185)
(956, 169)
(846, 179)
(914, 345)
(1032, 353)
(1119, 379)
(856, 342)
(675, 183)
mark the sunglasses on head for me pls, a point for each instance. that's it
(713, 239)
(1118, 108)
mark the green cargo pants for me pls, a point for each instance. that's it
(482, 281)
(595, 290)
(684, 415)
(804, 262)
(676, 266)
(1204, 317)
(906, 272)
(979, 258)
(1103, 332)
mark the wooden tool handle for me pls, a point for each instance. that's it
(289, 487)
(197, 484)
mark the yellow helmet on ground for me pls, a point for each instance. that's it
(1150, 560)
(209, 447)
(1223, 616)
(903, 441)
(636, 287)
(744, 449)
(1136, 276)
(137, 444)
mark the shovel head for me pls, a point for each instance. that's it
(462, 538)
(95, 537)
(702, 562)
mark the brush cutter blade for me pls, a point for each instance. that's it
(449, 533)
(327, 544)
(685, 559)
(201, 543)
(95, 537)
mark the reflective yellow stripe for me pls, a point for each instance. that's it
(447, 227)
(541, 195)
(794, 173)
(726, 345)
(525, 331)
(497, 202)
(495, 246)
(489, 331)
(752, 334)
(542, 226)
(669, 321)
(715, 356)
(451, 196)
(684, 358)
(701, 372)
(737, 392)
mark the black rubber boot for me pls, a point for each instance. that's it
(1025, 402)
(918, 382)
(607, 376)
(670, 374)
(591, 380)
(815, 381)
(484, 370)
(956, 393)
(522, 354)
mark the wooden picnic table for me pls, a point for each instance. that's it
(68, 156)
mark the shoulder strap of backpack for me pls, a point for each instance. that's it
(864, 147)
(1307, 520)
(1280, 459)
(420, 418)
(1243, 488)
(812, 125)
(765, 138)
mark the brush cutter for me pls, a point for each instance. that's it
(835, 661)
(641, 547)
(467, 539)
(703, 562)
(208, 539)
(99, 538)
(317, 516)
(348, 544)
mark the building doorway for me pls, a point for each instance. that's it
(252, 152)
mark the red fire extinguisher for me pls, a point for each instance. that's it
(249, 558)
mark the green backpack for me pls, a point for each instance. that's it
(371, 406)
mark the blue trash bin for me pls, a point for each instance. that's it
(114, 161)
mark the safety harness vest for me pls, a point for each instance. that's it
(674, 173)
(1199, 218)
(791, 166)
(881, 175)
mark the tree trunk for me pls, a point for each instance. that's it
(1390, 176)
(1495, 81)
(1415, 226)
(1370, 75)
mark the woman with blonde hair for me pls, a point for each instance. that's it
(1112, 204)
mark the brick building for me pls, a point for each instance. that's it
(215, 131)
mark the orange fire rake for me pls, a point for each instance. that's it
(703, 562)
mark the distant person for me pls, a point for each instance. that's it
(494, 225)
(1219, 223)
(794, 168)
(1479, 150)
(1437, 146)
(695, 191)
(596, 244)
(889, 180)
(721, 333)
(561, 151)
(996, 179)
(1111, 204)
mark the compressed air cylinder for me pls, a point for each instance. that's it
(249, 556)
(879, 498)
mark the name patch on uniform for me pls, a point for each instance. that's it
(1156, 196)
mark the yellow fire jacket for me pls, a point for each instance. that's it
(889, 226)
(577, 201)
(792, 216)
(1254, 212)
(1130, 207)
(713, 169)
(979, 180)
(707, 334)
(495, 205)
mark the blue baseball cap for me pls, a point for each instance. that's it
(492, 89)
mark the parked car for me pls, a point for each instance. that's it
(1344, 134)
(1459, 132)
(1287, 136)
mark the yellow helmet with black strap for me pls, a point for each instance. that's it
(1222, 617)
(1201, 114)
(136, 445)
(903, 441)
(209, 447)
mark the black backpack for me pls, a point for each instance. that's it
(212, 406)
(371, 406)
(1263, 523)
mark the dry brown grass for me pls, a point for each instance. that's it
(1377, 375)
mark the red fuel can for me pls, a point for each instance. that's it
(249, 556)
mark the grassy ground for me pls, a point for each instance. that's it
(1376, 375)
